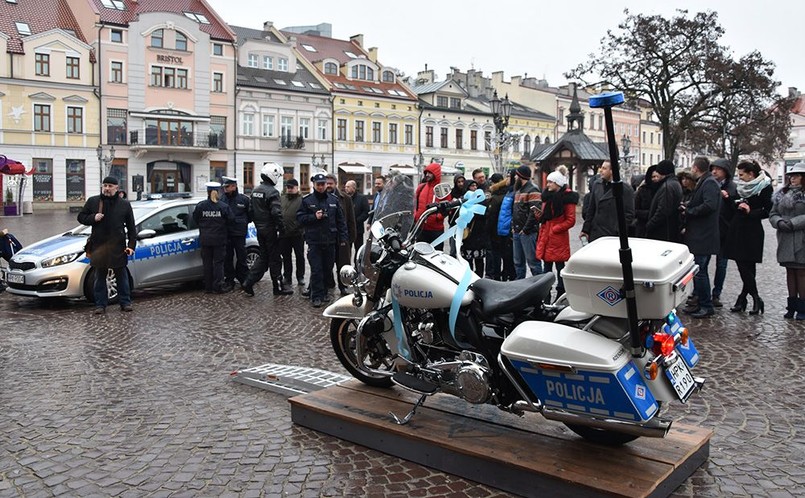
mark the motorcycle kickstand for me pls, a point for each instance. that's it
(407, 418)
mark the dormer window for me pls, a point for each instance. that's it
(330, 68)
(199, 18)
(114, 4)
(363, 72)
(23, 28)
(181, 41)
(157, 38)
(252, 60)
(388, 77)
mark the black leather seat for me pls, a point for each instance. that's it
(498, 298)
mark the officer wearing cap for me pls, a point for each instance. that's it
(323, 220)
(292, 243)
(212, 218)
(235, 260)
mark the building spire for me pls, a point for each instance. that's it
(575, 119)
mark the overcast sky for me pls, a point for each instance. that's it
(542, 38)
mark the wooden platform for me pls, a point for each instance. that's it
(528, 455)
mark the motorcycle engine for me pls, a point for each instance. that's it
(467, 378)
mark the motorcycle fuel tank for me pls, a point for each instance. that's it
(430, 281)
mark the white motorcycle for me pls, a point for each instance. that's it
(420, 319)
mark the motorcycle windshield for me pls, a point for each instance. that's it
(395, 206)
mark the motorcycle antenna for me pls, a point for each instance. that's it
(607, 101)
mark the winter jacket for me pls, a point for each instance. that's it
(325, 231)
(425, 195)
(663, 218)
(290, 205)
(558, 217)
(239, 205)
(505, 216)
(266, 209)
(727, 211)
(602, 216)
(212, 219)
(524, 221)
(360, 205)
(345, 202)
(111, 235)
(745, 235)
(643, 194)
(497, 192)
(701, 217)
(789, 204)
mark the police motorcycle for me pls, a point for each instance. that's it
(421, 319)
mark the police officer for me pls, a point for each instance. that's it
(236, 234)
(267, 215)
(323, 220)
(212, 217)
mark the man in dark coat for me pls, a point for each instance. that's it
(701, 232)
(344, 251)
(722, 171)
(292, 245)
(663, 214)
(235, 259)
(526, 209)
(111, 242)
(360, 206)
(602, 217)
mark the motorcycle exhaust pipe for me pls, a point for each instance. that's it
(655, 427)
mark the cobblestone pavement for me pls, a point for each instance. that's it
(139, 404)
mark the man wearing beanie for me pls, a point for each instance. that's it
(111, 242)
(602, 217)
(292, 245)
(526, 210)
(722, 170)
(663, 214)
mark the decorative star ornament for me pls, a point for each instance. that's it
(16, 113)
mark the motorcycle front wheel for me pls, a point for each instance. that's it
(601, 436)
(344, 336)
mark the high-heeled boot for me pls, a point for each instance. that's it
(757, 305)
(740, 303)
(791, 309)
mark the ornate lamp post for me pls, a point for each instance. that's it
(105, 161)
(501, 140)
(626, 144)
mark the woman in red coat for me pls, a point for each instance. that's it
(558, 217)
(424, 195)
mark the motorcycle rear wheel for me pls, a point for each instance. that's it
(601, 436)
(343, 335)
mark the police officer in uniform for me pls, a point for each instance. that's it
(212, 217)
(235, 260)
(323, 220)
(267, 216)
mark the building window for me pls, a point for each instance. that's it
(168, 132)
(282, 64)
(168, 77)
(286, 127)
(429, 136)
(116, 36)
(322, 129)
(75, 179)
(116, 75)
(116, 126)
(409, 134)
(455, 103)
(41, 117)
(217, 49)
(218, 82)
(268, 126)
(441, 101)
(487, 139)
(341, 129)
(268, 62)
(43, 64)
(252, 60)
(527, 144)
(600, 121)
(156, 76)
(156, 38)
(652, 137)
(247, 122)
(73, 68)
(330, 68)
(443, 137)
(459, 139)
(392, 133)
(42, 179)
(473, 139)
(376, 134)
(359, 131)
(304, 128)
(363, 72)
(181, 42)
(388, 77)
(75, 120)
(218, 132)
(181, 78)
(248, 177)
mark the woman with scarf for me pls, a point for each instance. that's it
(788, 218)
(558, 217)
(744, 241)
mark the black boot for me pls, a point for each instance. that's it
(280, 289)
(791, 309)
(740, 303)
(800, 309)
(248, 287)
(757, 305)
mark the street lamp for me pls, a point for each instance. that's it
(105, 161)
(626, 144)
(501, 140)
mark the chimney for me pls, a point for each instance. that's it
(357, 39)
(267, 25)
(793, 92)
(373, 54)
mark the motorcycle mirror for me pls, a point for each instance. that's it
(442, 190)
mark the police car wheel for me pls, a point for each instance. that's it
(252, 253)
(111, 285)
(601, 436)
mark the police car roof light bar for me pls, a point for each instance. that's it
(606, 101)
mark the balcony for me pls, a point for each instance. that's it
(289, 142)
(164, 141)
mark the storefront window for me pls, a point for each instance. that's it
(43, 180)
(76, 186)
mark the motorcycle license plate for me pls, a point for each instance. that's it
(15, 279)
(681, 379)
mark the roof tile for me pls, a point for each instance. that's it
(30, 12)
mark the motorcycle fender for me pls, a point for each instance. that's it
(569, 315)
(345, 308)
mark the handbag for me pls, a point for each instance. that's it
(88, 245)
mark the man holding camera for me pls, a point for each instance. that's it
(323, 220)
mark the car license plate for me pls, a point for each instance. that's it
(14, 278)
(681, 379)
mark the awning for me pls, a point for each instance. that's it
(355, 169)
(405, 170)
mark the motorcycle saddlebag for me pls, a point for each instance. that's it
(577, 371)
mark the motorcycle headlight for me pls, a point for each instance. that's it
(61, 260)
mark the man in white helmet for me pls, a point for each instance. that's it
(266, 212)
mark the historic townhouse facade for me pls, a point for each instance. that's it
(166, 81)
(284, 109)
(375, 117)
(48, 111)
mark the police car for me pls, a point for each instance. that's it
(167, 252)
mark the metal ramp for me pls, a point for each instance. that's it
(286, 379)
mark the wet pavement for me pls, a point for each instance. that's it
(140, 404)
